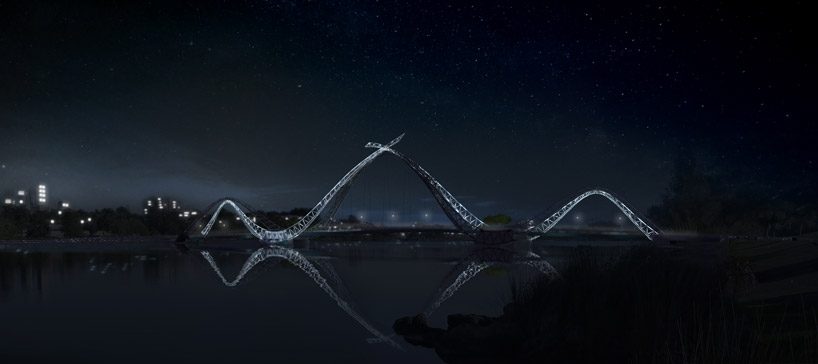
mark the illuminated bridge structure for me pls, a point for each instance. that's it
(456, 212)
(328, 280)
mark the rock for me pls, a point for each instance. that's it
(455, 320)
(416, 332)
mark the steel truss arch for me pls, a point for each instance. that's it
(457, 213)
(547, 224)
(454, 210)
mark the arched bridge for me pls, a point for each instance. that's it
(456, 212)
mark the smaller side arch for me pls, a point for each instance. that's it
(649, 231)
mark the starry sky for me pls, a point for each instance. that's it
(512, 106)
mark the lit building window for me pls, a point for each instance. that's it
(9, 201)
(21, 193)
(42, 194)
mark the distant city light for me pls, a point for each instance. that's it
(65, 205)
(21, 193)
(9, 201)
(82, 221)
(52, 221)
(89, 219)
(59, 212)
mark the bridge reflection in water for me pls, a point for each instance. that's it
(324, 275)
(456, 212)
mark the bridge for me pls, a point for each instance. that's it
(455, 211)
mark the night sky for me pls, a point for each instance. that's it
(512, 106)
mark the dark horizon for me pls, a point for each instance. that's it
(512, 106)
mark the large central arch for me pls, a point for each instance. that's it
(459, 215)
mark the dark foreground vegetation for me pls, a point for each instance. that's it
(707, 199)
(648, 305)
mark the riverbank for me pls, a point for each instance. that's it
(647, 305)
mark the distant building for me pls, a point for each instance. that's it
(17, 198)
(37, 197)
(42, 195)
(162, 203)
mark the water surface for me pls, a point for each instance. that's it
(142, 302)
